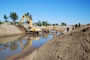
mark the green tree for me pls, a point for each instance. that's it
(13, 16)
(39, 23)
(63, 24)
(57, 24)
(53, 24)
(29, 15)
(45, 23)
(5, 18)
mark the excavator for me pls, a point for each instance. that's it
(30, 28)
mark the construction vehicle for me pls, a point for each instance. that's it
(29, 27)
(46, 29)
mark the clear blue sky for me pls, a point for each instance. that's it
(53, 11)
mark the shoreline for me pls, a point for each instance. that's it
(70, 46)
(73, 45)
(9, 35)
(25, 54)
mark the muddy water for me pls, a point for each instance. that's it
(13, 45)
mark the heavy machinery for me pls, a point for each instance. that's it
(29, 28)
(46, 29)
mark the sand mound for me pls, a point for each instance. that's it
(6, 29)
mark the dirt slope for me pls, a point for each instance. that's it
(74, 45)
(6, 29)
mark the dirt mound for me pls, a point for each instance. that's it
(74, 45)
(6, 29)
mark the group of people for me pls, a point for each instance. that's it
(75, 26)
(78, 25)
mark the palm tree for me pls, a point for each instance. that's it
(13, 16)
(5, 18)
(29, 15)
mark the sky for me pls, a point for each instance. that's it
(53, 11)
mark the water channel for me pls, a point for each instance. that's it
(13, 45)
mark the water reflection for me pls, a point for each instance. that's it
(45, 35)
(12, 45)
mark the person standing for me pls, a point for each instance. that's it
(79, 25)
(67, 29)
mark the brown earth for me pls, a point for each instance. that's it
(74, 45)
(9, 30)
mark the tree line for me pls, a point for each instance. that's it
(14, 17)
(45, 23)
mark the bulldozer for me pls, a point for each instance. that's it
(29, 27)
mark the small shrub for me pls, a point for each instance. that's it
(1, 23)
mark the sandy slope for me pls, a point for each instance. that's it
(74, 45)
(6, 29)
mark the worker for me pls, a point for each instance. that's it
(79, 25)
(67, 29)
(73, 28)
(76, 26)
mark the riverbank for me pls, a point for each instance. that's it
(9, 30)
(74, 45)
